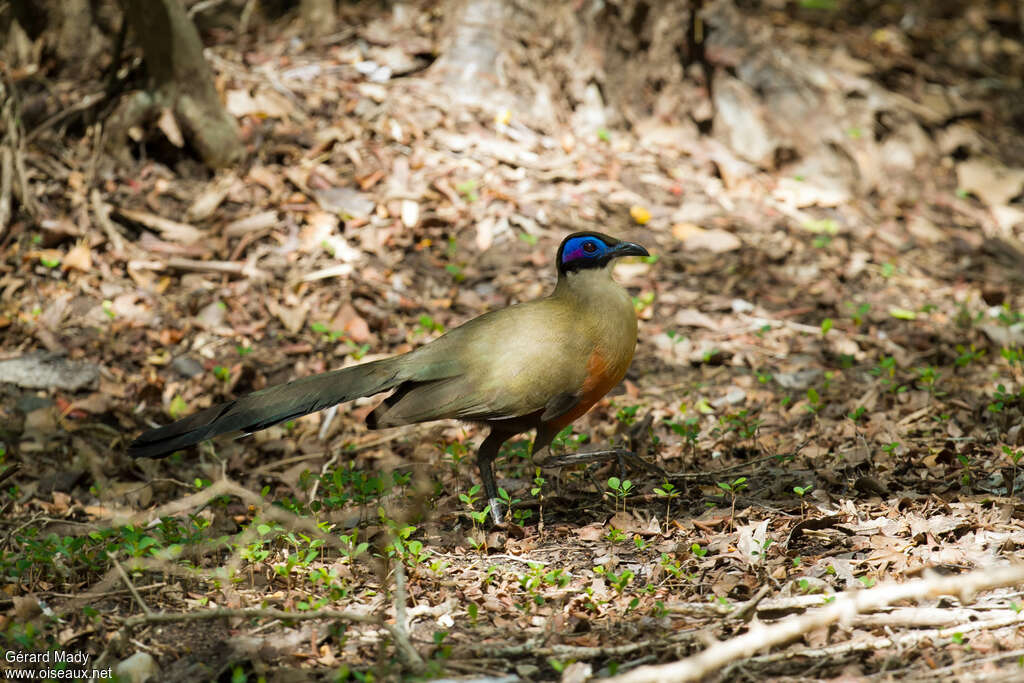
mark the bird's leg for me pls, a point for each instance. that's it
(485, 455)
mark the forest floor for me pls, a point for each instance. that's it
(830, 369)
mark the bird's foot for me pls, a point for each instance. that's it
(497, 511)
(621, 454)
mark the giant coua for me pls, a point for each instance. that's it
(535, 365)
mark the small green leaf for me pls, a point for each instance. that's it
(177, 407)
(902, 314)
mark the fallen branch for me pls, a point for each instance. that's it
(103, 594)
(246, 269)
(846, 606)
(901, 641)
(534, 648)
(252, 613)
(977, 664)
(891, 616)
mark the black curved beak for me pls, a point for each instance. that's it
(629, 249)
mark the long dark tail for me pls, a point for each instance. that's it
(267, 407)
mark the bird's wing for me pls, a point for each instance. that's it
(509, 366)
(560, 405)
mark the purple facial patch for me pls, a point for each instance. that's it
(574, 253)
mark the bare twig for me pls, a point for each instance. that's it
(534, 648)
(892, 616)
(904, 641)
(201, 498)
(9, 472)
(104, 594)
(243, 20)
(101, 214)
(973, 664)
(326, 421)
(747, 610)
(175, 231)
(323, 471)
(722, 470)
(131, 587)
(81, 105)
(202, 6)
(246, 269)
(253, 613)
(13, 142)
(400, 632)
(6, 182)
(399, 433)
(845, 607)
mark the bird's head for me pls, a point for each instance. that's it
(584, 250)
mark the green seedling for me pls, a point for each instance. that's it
(965, 474)
(667, 491)
(455, 271)
(643, 301)
(733, 488)
(813, 401)
(620, 489)
(427, 325)
(327, 334)
(802, 491)
(688, 429)
(614, 535)
(627, 415)
(507, 500)
(468, 190)
(1014, 456)
(860, 312)
(967, 355)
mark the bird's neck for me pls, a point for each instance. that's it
(592, 287)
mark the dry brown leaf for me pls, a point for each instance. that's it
(715, 240)
(591, 532)
(991, 181)
(79, 257)
(293, 318)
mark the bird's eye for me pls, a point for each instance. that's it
(589, 247)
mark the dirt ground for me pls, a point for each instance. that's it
(830, 366)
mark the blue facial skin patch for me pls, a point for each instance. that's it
(574, 249)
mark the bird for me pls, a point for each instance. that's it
(536, 365)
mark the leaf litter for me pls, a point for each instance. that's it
(829, 349)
